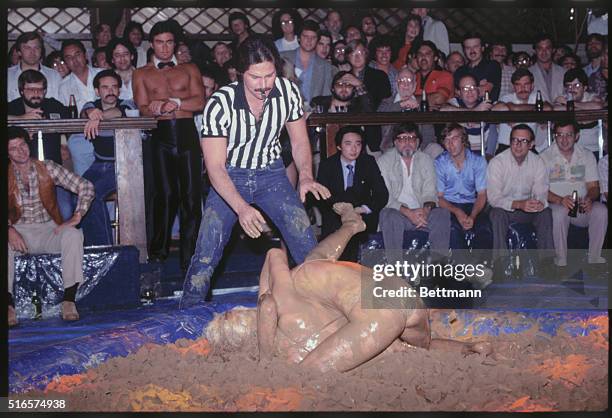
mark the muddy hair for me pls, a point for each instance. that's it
(232, 329)
(257, 49)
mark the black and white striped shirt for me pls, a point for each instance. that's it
(251, 144)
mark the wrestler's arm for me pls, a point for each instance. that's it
(302, 155)
(267, 321)
(215, 156)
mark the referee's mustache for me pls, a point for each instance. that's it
(263, 91)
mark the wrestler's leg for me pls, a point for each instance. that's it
(334, 244)
(368, 333)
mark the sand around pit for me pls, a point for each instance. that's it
(531, 372)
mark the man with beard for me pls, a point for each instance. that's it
(96, 224)
(598, 81)
(34, 105)
(593, 46)
(410, 178)
(172, 93)
(31, 51)
(314, 73)
(333, 23)
(347, 95)
(368, 27)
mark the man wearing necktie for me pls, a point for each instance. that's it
(351, 176)
(171, 93)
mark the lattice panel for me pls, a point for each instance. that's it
(50, 20)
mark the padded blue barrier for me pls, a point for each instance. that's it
(111, 279)
(41, 350)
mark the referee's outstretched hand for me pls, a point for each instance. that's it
(318, 190)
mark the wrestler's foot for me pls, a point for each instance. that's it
(349, 216)
(69, 311)
(12, 316)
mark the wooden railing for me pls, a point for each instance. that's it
(128, 147)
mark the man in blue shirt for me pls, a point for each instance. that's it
(462, 189)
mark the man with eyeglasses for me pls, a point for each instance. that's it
(572, 167)
(410, 178)
(405, 101)
(522, 99)
(517, 190)
(467, 98)
(576, 82)
(314, 73)
(34, 105)
(31, 51)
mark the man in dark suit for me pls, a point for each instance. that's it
(352, 176)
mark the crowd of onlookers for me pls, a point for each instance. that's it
(423, 177)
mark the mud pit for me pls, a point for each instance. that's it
(532, 372)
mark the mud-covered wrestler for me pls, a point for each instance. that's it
(313, 314)
(171, 93)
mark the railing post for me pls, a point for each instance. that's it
(548, 134)
(482, 139)
(600, 139)
(130, 189)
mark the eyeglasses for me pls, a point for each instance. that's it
(341, 50)
(468, 89)
(574, 85)
(34, 89)
(404, 138)
(565, 135)
(522, 61)
(521, 141)
(56, 63)
(343, 84)
(358, 52)
(286, 22)
(405, 80)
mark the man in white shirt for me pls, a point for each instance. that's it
(517, 190)
(573, 168)
(120, 54)
(576, 83)
(80, 84)
(523, 99)
(433, 30)
(31, 51)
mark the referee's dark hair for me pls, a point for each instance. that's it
(346, 130)
(257, 49)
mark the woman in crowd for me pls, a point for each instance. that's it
(412, 29)
(286, 24)
(135, 34)
(55, 60)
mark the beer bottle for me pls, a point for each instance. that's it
(72, 108)
(37, 305)
(569, 103)
(487, 98)
(573, 212)
(539, 104)
(424, 107)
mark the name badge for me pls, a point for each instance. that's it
(54, 116)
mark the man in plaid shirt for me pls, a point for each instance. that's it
(35, 224)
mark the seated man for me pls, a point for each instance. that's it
(352, 176)
(35, 224)
(462, 188)
(313, 314)
(107, 84)
(517, 189)
(466, 98)
(410, 177)
(572, 167)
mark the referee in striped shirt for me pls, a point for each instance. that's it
(242, 123)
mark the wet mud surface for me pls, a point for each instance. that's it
(530, 371)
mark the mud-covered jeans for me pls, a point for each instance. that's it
(271, 191)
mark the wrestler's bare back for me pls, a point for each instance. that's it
(165, 83)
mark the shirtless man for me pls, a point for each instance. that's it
(172, 93)
(314, 314)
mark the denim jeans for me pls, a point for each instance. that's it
(96, 223)
(64, 202)
(482, 233)
(270, 190)
(81, 152)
